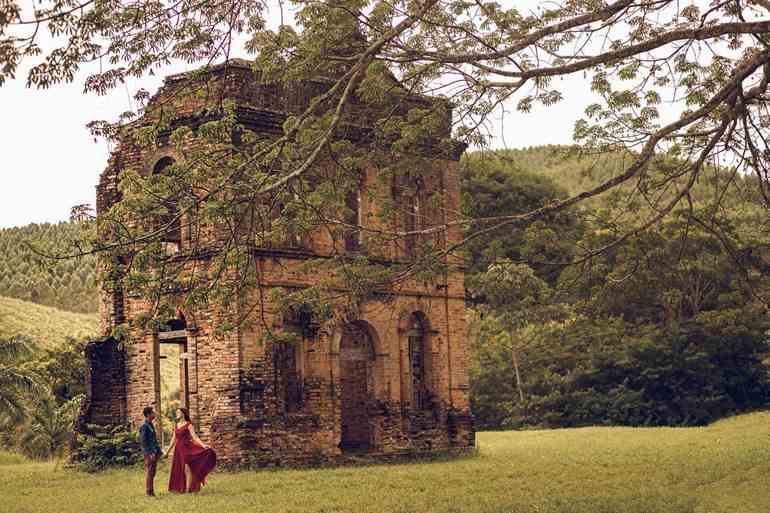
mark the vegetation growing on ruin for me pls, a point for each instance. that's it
(631, 336)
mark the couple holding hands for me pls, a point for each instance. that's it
(192, 462)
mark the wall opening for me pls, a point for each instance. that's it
(354, 203)
(357, 386)
(287, 357)
(173, 387)
(172, 236)
(409, 194)
(419, 361)
(105, 380)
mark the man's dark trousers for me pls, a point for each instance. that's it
(150, 467)
(151, 450)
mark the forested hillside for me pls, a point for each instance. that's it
(598, 315)
(573, 169)
(68, 284)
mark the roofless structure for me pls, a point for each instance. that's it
(392, 380)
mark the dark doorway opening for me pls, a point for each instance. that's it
(357, 380)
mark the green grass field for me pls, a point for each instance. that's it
(721, 468)
(46, 325)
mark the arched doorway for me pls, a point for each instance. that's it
(357, 384)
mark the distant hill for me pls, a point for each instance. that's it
(64, 284)
(573, 170)
(46, 325)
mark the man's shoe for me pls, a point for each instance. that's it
(150, 494)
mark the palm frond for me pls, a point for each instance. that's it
(15, 349)
(50, 427)
(11, 408)
(19, 380)
(71, 408)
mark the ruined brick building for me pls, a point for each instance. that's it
(392, 381)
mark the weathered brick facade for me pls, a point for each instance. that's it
(393, 381)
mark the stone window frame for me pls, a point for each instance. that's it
(428, 394)
(307, 329)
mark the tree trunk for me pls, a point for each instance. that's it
(515, 359)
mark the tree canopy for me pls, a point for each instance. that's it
(682, 81)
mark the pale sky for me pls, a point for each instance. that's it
(49, 161)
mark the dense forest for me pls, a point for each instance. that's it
(25, 272)
(668, 327)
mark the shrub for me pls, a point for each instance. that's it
(50, 427)
(107, 447)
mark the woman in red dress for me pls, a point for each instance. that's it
(193, 460)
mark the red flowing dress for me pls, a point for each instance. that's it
(186, 452)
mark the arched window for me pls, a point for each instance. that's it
(414, 199)
(353, 235)
(417, 338)
(162, 164)
(172, 236)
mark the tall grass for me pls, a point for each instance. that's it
(9, 458)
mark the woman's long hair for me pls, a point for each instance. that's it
(185, 413)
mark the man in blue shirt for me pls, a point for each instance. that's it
(151, 449)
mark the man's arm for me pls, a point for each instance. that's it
(171, 445)
(144, 436)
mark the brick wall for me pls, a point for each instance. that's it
(237, 387)
(105, 381)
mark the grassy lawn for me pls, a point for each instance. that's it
(722, 468)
